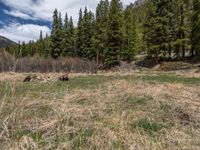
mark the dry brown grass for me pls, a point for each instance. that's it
(103, 117)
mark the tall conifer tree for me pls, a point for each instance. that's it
(100, 30)
(195, 36)
(112, 53)
(72, 37)
(182, 40)
(66, 36)
(56, 36)
(41, 45)
(79, 35)
(87, 46)
(130, 35)
(150, 30)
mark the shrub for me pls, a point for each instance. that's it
(9, 63)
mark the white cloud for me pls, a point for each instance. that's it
(43, 9)
(19, 14)
(23, 32)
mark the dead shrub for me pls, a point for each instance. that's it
(9, 63)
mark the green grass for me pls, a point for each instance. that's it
(58, 88)
(147, 125)
(80, 139)
(138, 100)
(95, 81)
(36, 136)
(87, 82)
(170, 78)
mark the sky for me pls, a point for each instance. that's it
(22, 20)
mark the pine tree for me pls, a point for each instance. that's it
(41, 45)
(100, 30)
(130, 35)
(60, 32)
(41, 36)
(182, 27)
(56, 36)
(69, 35)
(47, 46)
(19, 50)
(23, 49)
(164, 23)
(87, 47)
(66, 42)
(114, 34)
(79, 35)
(31, 51)
(195, 34)
(171, 27)
(72, 37)
(159, 28)
(150, 36)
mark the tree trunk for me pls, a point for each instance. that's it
(170, 52)
(97, 58)
(182, 33)
(192, 51)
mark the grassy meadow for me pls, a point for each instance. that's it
(133, 111)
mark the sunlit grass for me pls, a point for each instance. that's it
(100, 112)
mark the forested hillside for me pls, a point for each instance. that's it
(164, 30)
(4, 42)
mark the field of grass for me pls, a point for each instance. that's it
(106, 111)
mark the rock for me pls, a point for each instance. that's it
(45, 79)
(31, 78)
(64, 77)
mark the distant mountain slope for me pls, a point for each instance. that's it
(4, 42)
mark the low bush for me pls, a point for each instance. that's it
(9, 63)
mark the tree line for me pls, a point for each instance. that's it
(164, 29)
(172, 28)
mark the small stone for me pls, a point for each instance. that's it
(30, 78)
(64, 77)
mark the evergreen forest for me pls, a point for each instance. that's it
(164, 30)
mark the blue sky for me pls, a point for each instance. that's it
(23, 19)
